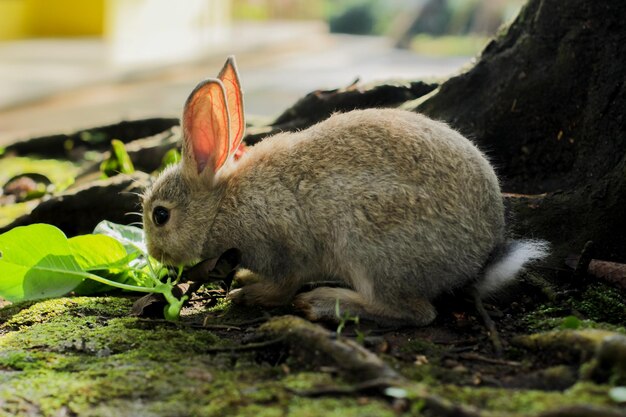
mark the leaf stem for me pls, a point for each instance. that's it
(117, 284)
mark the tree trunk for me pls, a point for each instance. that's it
(546, 101)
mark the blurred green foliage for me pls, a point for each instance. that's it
(448, 45)
(378, 17)
(118, 162)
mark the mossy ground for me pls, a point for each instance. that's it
(85, 356)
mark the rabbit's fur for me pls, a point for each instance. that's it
(397, 206)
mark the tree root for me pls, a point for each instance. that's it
(320, 104)
(351, 358)
(355, 363)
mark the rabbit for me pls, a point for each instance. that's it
(398, 207)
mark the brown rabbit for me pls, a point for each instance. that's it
(397, 206)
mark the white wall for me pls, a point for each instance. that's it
(148, 31)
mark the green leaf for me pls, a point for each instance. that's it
(37, 262)
(97, 252)
(103, 255)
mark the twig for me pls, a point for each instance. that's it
(246, 347)
(489, 324)
(252, 322)
(216, 327)
(584, 260)
(190, 325)
(476, 357)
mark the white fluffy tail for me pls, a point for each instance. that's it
(504, 269)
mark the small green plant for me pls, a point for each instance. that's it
(171, 157)
(119, 162)
(345, 318)
(39, 261)
(570, 322)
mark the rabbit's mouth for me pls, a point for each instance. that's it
(169, 258)
(160, 255)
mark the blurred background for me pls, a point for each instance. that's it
(70, 64)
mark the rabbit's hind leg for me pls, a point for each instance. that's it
(265, 293)
(321, 304)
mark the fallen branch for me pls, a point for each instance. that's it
(611, 272)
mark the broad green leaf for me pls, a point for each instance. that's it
(97, 252)
(129, 236)
(106, 257)
(37, 262)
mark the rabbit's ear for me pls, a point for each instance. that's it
(234, 96)
(206, 128)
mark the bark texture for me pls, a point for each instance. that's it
(547, 102)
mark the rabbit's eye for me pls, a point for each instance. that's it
(160, 215)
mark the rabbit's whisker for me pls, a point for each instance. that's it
(134, 213)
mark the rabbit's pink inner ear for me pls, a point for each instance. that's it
(234, 97)
(206, 125)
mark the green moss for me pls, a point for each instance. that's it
(602, 303)
(21, 315)
(525, 401)
(308, 380)
(84, 356)
(598, 307)
(339, 407)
